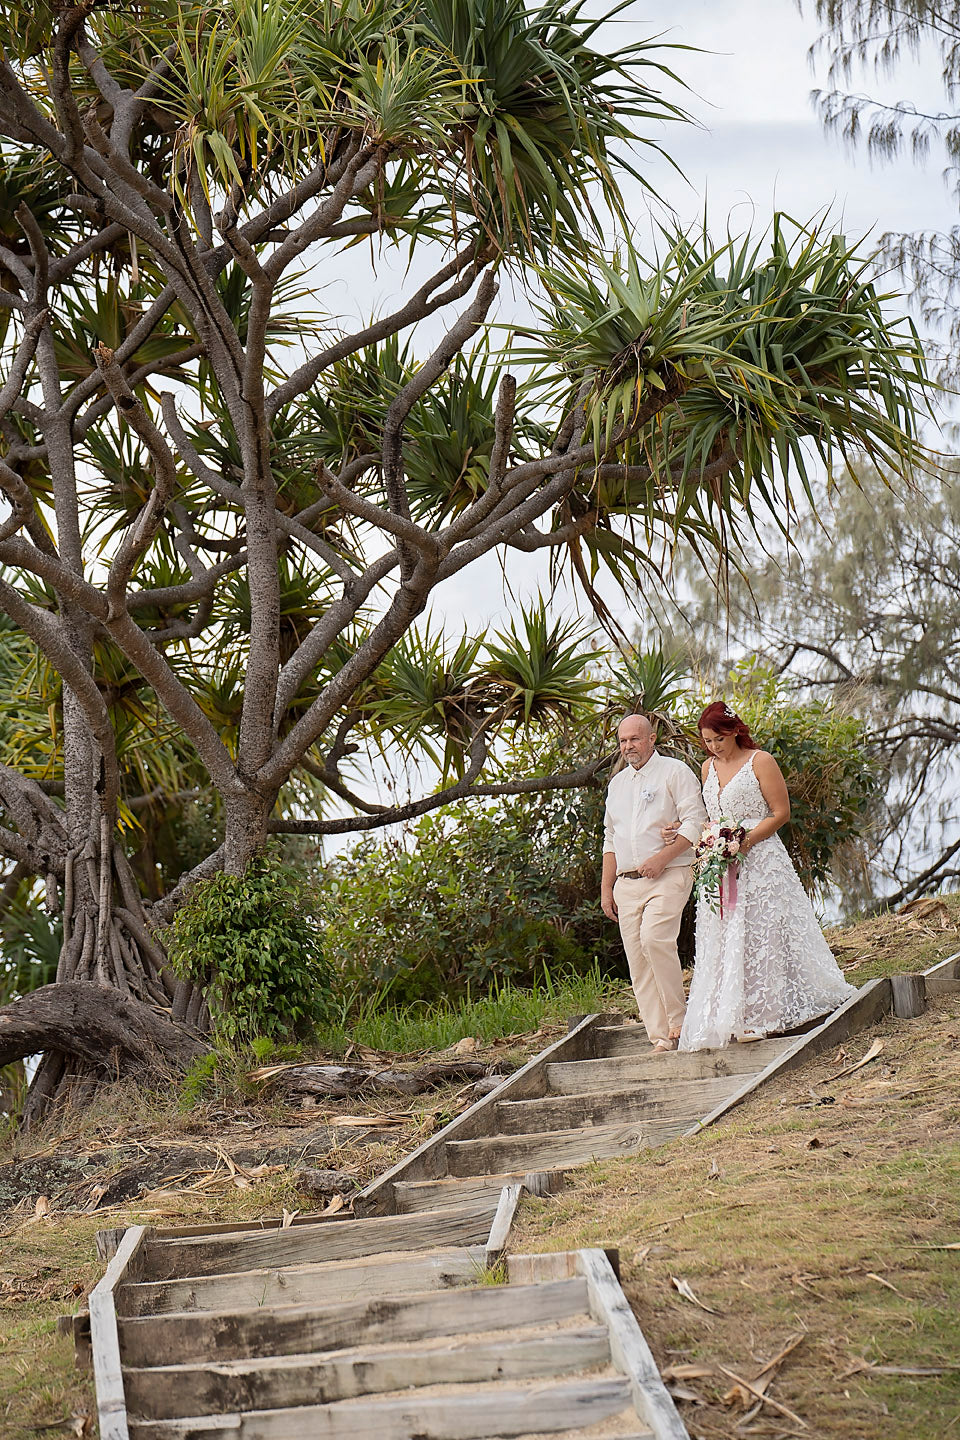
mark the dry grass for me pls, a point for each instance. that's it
(807, 1212)
(780, 1219)
(909, 940)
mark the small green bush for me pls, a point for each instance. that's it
(253, 941)
(470, 899)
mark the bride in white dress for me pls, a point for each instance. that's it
(763, 967)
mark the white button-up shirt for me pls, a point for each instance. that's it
(639, 804)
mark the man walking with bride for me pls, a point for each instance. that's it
(647, 877)
(762, 964)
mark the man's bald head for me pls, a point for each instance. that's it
(637, 739)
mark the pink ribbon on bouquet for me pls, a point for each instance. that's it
(729, 884)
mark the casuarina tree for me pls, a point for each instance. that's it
(228, 508)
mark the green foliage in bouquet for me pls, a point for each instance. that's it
(254, 942)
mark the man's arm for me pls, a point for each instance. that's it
(609, 874)
(654, 867)
(686, 794)
(691, 811)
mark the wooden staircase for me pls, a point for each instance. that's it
(408, 1320)
(368, 1330)
(601, 1092)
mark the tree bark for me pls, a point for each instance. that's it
(100, 1028)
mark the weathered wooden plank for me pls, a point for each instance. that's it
(628, 1348)
(870, 1004)
(105, 1338)
(178, 1391)
(387, 1274)
(612, 1430)
(941, 985)
(648, 1100)
(590, 1076)
(462, 1189)
(179, 1338)
(948, 969)
(502, 1223)
(467, 1414)
(539, 1269)
(545, 1151)
(411, 1195)
(265, 1226)
(211, 1255)
(908, 995)
(428, 1161)
(621, 1040)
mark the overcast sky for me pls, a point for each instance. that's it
(758, 147)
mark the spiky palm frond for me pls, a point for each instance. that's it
(652, 681)
(428, 692)
(541, 667)
(773, 351)
(545, 112)
(451, 434)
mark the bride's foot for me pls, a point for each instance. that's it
(747, 1036)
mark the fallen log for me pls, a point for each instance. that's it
(99, 1026)
(339, 1081)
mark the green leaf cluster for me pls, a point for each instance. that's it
(509, 115)
(255, 944)
(470, 900)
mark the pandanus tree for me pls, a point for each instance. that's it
(227, 508)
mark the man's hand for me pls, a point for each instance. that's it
(653, 868)
(608, 905)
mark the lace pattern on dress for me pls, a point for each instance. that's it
(766, 967)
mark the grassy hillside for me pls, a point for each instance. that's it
(810, 1212)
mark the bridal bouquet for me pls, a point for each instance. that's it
(716, 863)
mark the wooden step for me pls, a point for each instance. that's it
(413, 1195)
(549, 1150)
(178, 1391)
(343, 1240)
(390, 1274)
(581, 1077)
(651, 1101)
(182, 1338)
(463, 1413)
(614, 1040)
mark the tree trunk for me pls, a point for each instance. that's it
(109, 1033)
(117, 1008)
(246, 829)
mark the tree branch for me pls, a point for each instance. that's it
(464, 789)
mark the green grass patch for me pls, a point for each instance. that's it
(507, 1010)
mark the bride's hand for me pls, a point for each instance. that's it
(669, 832)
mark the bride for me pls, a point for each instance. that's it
(763, 966)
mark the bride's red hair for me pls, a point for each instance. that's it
(720, 718)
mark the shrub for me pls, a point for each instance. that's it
(254, 942)
(470, 899)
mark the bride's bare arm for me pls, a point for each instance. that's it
(774, 790)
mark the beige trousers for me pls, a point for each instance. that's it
(649, 914)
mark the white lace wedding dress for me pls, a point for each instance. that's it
(764, 967)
